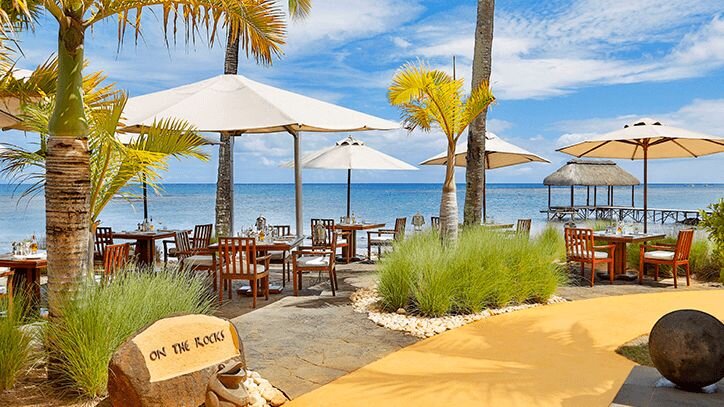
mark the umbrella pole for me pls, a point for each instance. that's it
(144, 186)
(349, 192)
(298, 181)
(646, 184)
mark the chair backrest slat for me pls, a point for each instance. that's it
(104, 237)
(183, 244)
(435, 222)
(322, 231)
(115, 258)
(282, 230)
(237, 255)
(579, 243)
(683, 244)
(400, 225)
(523, 227)
(202, 236)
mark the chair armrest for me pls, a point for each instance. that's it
(657, 246)
(8, 273)
(381, 232)
(311, 248)
(607, 247)
(263, 258)
(300, 253)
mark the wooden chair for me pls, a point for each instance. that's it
(322, 231)
(115, 258)
(522, 228)
(104, 238)
(385, 237)
(316, 258)
(580, 248)
(670, 255)
(7, 292)
(201, 239)
(194, 259)
(435, 222)
(282, 257)
(238, 260)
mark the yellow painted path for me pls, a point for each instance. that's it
(556, 355)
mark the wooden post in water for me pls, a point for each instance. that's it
(633, 199)
(572, 200)
(588, 195)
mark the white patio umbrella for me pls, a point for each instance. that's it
(646, 139)
(350, 154)
(235, 104)
(498, 154)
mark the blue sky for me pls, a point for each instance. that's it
(562, 70)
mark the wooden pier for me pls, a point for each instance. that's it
(622, 213)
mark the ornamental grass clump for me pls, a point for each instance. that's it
(482, 269)
(102, 317)
(15, 341)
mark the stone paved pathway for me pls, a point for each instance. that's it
(301, 343)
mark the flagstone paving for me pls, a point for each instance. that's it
(560, 354)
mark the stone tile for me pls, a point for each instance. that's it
(639, 390)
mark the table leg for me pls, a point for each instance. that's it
(620, 258)
(143, 248)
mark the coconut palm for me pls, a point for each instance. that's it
(430, 97)
(225, 177)
(258, 24)
(475, 170)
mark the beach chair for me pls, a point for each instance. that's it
(7, 291)
(238, 260)
(522, 228)
(194, 259)
(676, 255)
(580, 248)
(385, 237)
(316, 258)
(435, 223)
(104, 238)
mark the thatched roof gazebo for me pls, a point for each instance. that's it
(591, 173)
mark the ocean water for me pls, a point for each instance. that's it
(183, 205)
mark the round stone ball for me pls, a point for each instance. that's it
(687, 348)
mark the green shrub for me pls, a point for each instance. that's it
(101, 318)
(483, 269)
(15, 349)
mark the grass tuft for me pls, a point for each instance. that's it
(101, 318)
(483, 269)
(15, 342)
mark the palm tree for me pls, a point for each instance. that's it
(258, 24)
(475, 168)
(225, 176)
(430, 97)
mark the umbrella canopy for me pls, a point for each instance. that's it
(350, 154)
(234, 104)
(646, 139)
(498, 154)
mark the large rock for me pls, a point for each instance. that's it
(170, 362)
(687, 348)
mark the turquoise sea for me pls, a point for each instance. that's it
(183, 205)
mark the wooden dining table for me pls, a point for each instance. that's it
(145, 243)
(26, 275)
(621, 240)
(352, 229)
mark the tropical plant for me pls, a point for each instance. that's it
(430, 97)
(15, 340)
(484, 269)
(474, 211)
(714, 224)
(102, 317)
(224, 179)
(258, 24)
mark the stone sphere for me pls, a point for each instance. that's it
(687, 347)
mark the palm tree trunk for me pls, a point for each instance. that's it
(449, 201)
(475, 171)
(67, 188)
(225, 175)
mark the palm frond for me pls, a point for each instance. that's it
(259, 24)
(480, 99)
(299, 8)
